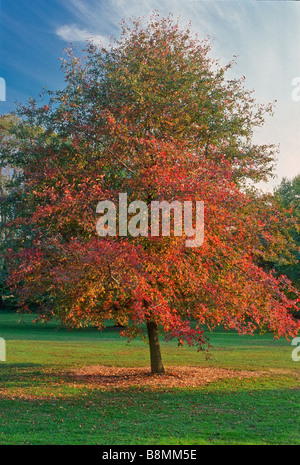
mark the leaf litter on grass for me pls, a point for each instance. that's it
(110, 377)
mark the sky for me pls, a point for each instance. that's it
(263, 35)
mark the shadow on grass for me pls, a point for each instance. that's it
(39, 406)
(132, 416)
(23, 374)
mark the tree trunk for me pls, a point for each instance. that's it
(155, 354)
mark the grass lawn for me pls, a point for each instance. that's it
(38, 405)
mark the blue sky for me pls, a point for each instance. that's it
(265, 36)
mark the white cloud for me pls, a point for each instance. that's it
(72, 33)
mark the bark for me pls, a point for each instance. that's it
(155, 353)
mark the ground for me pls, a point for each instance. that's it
(176, 376)
(87, 387)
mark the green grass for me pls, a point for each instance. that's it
(39, 406)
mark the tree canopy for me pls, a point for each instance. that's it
(154, 117)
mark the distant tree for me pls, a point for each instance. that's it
(151, 116)
(288, 195)
(6, 172)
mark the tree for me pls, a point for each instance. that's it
(288, 195)
(6, 211)
(153, 117)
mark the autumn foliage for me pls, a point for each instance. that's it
(155, 117)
